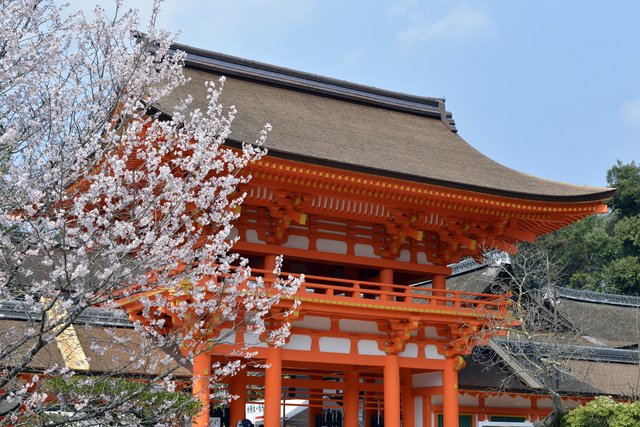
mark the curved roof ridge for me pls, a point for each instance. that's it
(598, 297)
(239, 67)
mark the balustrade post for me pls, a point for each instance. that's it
(386, 277)
(438, 286)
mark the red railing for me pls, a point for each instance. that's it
(334, 289)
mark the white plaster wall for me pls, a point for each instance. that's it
(405, 255)
(505, 401)
(369, 348)
(545, 403)
(427, 379)
(227, 336)
(359, 326)
(431, 352)
(299, 242)
(335, 345)
(410, 350)
(364, 250)
(252, 237)
(233, 233)
(299, 342)
(313, 322)
(422, 258)
(331, 246)
(436, 399)
(467, 400)
(417, 407)
(253, 340)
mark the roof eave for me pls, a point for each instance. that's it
(596, 197)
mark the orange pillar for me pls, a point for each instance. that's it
(273, 387)
(368, 411)
(201, 380)
(450, 394)
(408, 410)
(426, 411)
(482, 415)
(534, 410)
(238, 387)
(269, 265)
(315, 402)
(386, 277)
(315, 409)
(438, 283)
(391, 391)
(351, 400)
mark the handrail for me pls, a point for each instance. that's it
(331, 288)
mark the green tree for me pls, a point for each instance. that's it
(604, 412)
(602, 253)
(626, 178)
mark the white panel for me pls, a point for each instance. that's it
(335, 345)
(364, 250)
(369, 347)
(431, 352)
(436, 400)
(312, 322)
(300, 242)
(359, 326)
(252, 237)
(299, 342)
(227, 336)
(253, 340)
(431, 332)
(570, 403)
(233, 233)
(422, 258)
(545, 403)
(417, 408)
(405, 255)
(427, 379)
(332, 246)
(410, 350)
(504, 401)
(467, 400)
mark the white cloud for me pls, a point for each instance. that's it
(630, 112)
(462, 23)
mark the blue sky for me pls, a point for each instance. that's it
(551, 88)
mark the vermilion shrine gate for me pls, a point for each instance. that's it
(368, 193)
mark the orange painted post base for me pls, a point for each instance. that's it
(351, 404)
(426, 411)
(238, 387)
(273, 387)
(392, 391)
(408, 410)
(202, 375)
(450, 394)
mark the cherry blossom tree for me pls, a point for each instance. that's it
(104, 200)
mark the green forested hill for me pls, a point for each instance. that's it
(602, 253)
